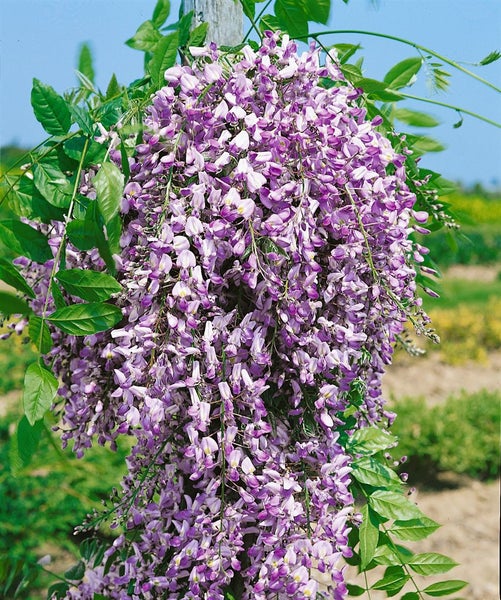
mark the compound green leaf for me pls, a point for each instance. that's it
(92, 286)
(413, 529)
(25, 240)
(40, 334)
(431, 563)
(145, 38)
(160, 12)
(86, 319)
(109, 184)
(490, 58)
(40, 388)
(444, 588)
(24, 444)
(410, 596)
(393, 505)
(403, 73)
(164, 56)
(13, 305)
(50, 109)
(11, 276)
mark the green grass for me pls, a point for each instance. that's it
(456, 292)
(461, 435)
(48, 499)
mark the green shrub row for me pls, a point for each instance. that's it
(472, 245)
(461, 435)
(41, 505)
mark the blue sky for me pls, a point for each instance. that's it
(40, 38)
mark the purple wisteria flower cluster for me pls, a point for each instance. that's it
(266, 267)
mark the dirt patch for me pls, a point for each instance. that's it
(486, 273)
(435, 381)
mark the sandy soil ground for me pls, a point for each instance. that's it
(435, 381)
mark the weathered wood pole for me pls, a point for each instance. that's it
(225, 18)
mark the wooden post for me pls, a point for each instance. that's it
(225, 18)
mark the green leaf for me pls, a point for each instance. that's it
(57, 296)
(390, 554)
(369, 535)
(370, 471)
(346, 51)
(92, 286)
(269, 23)
(76, 572)
(370, 85)
(53, 184)
(40, 388)
(317, 11)
(160, 12)
(75, 146)
(355, 590)
(164, 56)
(444, 588)
(410, 596)
(490, 58)
(113, 233)
(40, 334)
(184, 28)
(413, 529)
(198, 35)
(291, 17)
(25, 240)
(11, 276)
(415, 118)
(13, 305)
(431, 563)
(16, 199)
(109, 184)
(82, 117)
(392, 505)
(86, 319)
(24, 444)
(403, 73)
(95, 222)
(113, 88)
(393, 581)
(424, 144)
(85, 62)
(50, 109)
(249, 7)
(82, 236)
(385, 95)
(369, 441)
(58, 590)
(145, 38)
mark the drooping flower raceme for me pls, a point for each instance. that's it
(266, 274)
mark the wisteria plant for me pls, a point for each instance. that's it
(217, 261)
